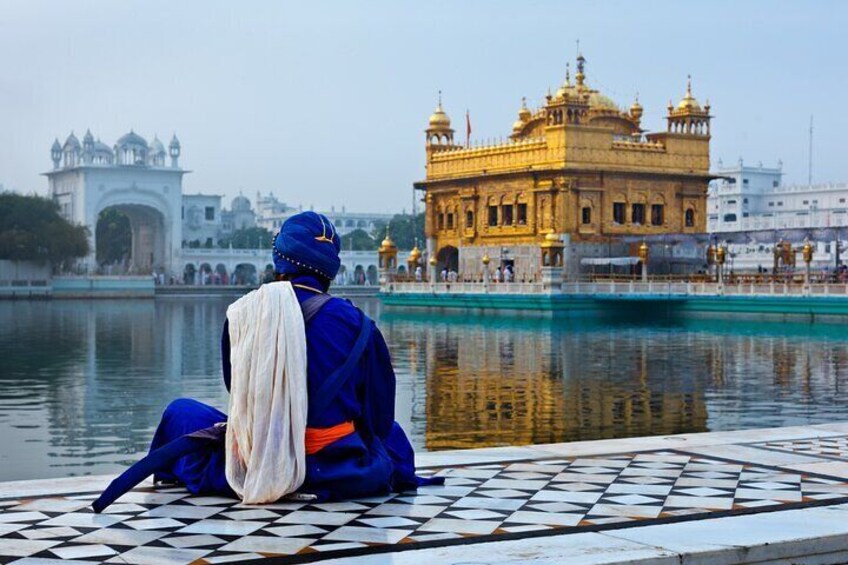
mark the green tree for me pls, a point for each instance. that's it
(31, 229)
(248, 238)
(404, 230)
(359, 240)
(114, 237)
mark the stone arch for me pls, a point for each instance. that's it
(689, 217)
(151, 223)
(245, 274)
(204, 274)
(359, 275)
(190, 274)
(447, 258)
(371, 275)
(221, 274)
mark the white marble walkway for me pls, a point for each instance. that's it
(726, 497)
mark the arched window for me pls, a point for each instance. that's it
(469, 219)
(586, 214)
(690, 217)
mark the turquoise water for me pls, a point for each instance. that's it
(82, 383)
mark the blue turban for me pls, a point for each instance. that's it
(307, 244)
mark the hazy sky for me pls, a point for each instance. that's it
(325, 102)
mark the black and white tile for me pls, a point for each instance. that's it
(830, 447)
(476, 503)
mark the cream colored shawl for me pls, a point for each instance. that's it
(266, 456)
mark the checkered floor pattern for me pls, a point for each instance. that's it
(478, 501)
(831, 447)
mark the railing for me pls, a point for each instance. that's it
(704, 288)
(622, 289)
(463, 288)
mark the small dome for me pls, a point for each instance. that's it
(72, 142)
(439, 119)
(131, 138)
(240, 204)
(175, 143)
(56, 146)
(156, 146)
(414, 255)
(88, 137)
(636, 109)
(516, 127)
(598, 100)
(100, 147)
(387, 244)
(689, 102)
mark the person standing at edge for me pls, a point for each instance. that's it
(354, 448)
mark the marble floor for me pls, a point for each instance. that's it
(547, 494)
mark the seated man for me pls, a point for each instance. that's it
(354, 448)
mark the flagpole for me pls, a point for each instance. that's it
(467, 129)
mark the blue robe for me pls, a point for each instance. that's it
(375, 459)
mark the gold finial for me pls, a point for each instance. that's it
(523, 102)
(689, 86)
(440, 99)
(567, 74)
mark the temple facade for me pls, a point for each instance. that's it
(579, 168)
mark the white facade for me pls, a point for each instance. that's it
(132, 177)
(201, 219)
(753, 198)
(271, 213)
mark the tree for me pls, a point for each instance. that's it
(403, 228)
(358, 240)
(114, 237)
(31, 229)
(248, 238)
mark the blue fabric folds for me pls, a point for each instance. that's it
(377, 458)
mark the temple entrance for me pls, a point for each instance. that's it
(447, 258)
(130, 240)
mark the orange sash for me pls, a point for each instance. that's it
(319, 438)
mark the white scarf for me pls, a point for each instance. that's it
(265, 451)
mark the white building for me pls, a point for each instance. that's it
(173, 233)
(750, 198)
(271, 213)
(134, 178)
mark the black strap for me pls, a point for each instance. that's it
(312, 305)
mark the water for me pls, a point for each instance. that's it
(83, 383)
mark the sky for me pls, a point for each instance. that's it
(325, 103)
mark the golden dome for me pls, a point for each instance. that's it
(439, 119)
(598, 100)
(552, 240)
(524, 113)
(517, 125)
(689, 102)
(636, 109)
(387, 243)
(486, 259)
(414, 255)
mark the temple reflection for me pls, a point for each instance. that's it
(515, 386)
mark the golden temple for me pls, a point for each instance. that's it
(578, 167)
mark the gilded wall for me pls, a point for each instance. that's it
(578, 167)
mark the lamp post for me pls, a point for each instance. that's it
(432, 261)
(807, 253)
(644, 254)
(721, 257)
(486, 261)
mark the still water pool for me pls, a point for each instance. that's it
(83, 383)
